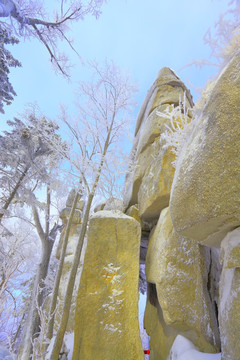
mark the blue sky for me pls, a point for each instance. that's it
(139, 36)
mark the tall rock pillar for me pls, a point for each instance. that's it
(106, 321)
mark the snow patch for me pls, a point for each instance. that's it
(69, 342)
(183, 349)
(111, 269)
(117, 292)
(116, 214)
(4, 354)
(111, 328)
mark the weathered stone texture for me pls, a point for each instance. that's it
(229, 303)
(155, 188)
(106, 322)
(205, 195)
(133, 211)
(179, 267)
(149, 184)
(166, 89)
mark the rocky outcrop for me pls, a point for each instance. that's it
(180, 244)
(106, 320)
(229, 304)
(180, 267)
(206, 186)
(149, 184)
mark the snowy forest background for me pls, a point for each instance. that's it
(43, 159)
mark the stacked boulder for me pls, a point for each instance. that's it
(149, 184)
(205, 194)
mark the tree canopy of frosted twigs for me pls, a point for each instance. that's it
(30, 19)
(25, 157)
(7, 60)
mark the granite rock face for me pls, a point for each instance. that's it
(206, 186)
(149, 184)
(106, 320)
(179, 267)
(229, 304)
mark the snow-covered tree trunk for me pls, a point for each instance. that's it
(13, 193)
(32, 325)
(60, 270)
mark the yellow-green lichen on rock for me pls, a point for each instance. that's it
(106, 320)
(155, 188)
(166, 89)
(229, 304)
(149, 181)
(179, 267)
(205, 194)
(133, 211)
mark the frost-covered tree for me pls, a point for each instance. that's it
(25, 155)
(27, 164)
(30, 18)
(224, 40)
(18, 257)
(6, 61)
(47, 231)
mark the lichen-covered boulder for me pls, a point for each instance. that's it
(205, 194)
(149, 181)
(179, 267)
(133, 211)
(106, 321)
(229, 304)
(166, 89)
(155, 188)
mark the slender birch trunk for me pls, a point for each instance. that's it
(13, 193)
(60, 269)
